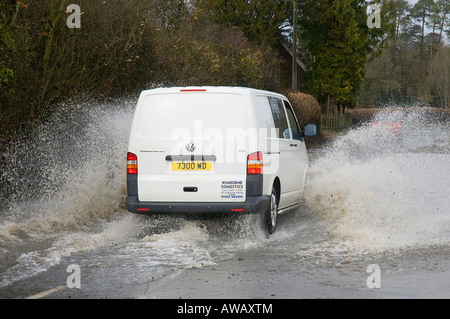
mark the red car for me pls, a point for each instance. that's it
(387, 123)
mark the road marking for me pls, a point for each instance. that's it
(47, 292)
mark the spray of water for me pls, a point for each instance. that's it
(67, 174)
(379, 192)
(63, 188)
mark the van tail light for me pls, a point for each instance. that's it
(254, 163)
(131, 163)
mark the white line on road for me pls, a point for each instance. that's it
(47, 292)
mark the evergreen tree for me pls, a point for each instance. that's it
(336, 34)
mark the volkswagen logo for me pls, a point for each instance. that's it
(190, 146)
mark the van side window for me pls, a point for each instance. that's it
(295, 130)
(279, 117)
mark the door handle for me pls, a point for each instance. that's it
(293, 145)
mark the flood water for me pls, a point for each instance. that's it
(369, 200)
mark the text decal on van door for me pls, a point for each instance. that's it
(232, 189)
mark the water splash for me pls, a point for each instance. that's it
(69, 173)
(380, 193)
(63, 188)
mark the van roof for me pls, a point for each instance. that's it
(211, 89)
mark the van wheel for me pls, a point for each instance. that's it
(271, 215)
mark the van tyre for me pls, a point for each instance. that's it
(270, 218)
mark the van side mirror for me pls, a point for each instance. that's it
(310, 130)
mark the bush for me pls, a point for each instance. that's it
(306, 108)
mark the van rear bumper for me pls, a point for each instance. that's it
(253, 204)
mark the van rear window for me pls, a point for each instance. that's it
(194, 113)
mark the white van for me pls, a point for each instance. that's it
(216, 150)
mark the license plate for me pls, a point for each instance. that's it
(191, 166)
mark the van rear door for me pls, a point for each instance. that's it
(191, 146)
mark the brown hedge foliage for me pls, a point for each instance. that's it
(306, 108)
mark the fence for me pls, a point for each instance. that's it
(335, 122)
